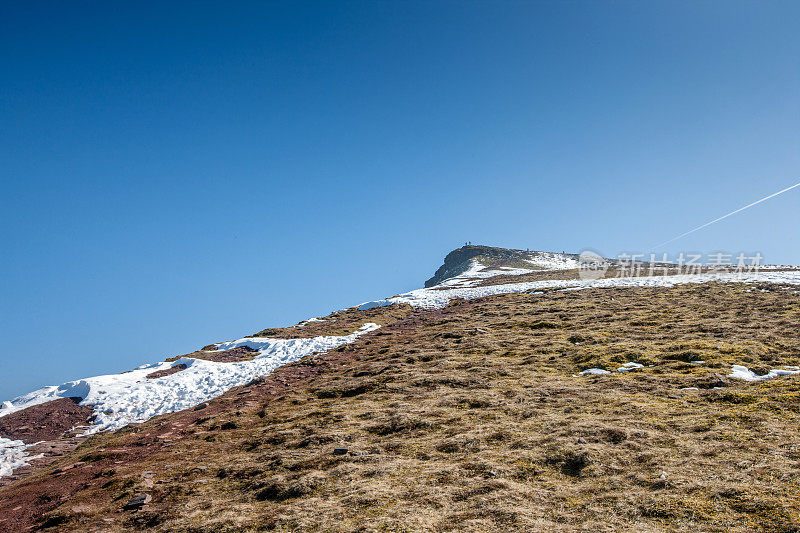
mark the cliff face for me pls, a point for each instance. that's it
(458, 261)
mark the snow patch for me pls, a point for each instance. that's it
(120, 399)
(594, 372)
(599, 371)
(742, 372)
(304, 322)
(478, 271)
(629, 366)
(553, 261)
(376, 303)
(13, 455)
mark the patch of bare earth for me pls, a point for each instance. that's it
(234, 355)
(45, 421)
(471, 418)
(53, 427)
(166, 372)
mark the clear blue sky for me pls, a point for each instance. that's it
(180, 173)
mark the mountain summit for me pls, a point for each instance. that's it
(491, 261)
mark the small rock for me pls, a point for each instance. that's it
(200, 407)
(340, 451)
(137, 501)
(581, 440)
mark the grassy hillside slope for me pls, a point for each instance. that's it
(471, 418)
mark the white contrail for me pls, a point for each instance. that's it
(726, 216)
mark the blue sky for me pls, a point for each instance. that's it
(175, 174)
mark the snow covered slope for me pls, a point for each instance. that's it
(440, 296)
(120, 399)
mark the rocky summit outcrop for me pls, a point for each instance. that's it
(460, 260)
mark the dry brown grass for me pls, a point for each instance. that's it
(342, 322)
(470, 418)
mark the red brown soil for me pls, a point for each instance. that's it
(166, 372)
(240, 353)
(50, 452)
(23, 503)
(45, 422)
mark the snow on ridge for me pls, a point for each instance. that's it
(478, 271)
(313, 319)
(120, 399)
(438, 297)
